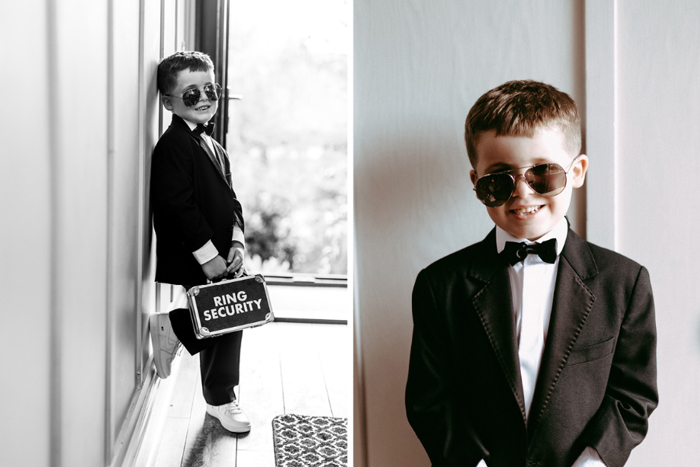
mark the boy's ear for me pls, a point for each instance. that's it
(579, 171)
(167, 102)
(473, 176)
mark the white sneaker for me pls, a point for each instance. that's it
(231, 417)
(165, 343)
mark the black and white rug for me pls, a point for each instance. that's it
(305, 441)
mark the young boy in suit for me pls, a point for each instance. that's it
(532, 347)
(199, 227)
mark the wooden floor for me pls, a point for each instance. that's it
(286, 368)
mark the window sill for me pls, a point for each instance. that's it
(309, 299)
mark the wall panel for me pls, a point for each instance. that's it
(26, 292)
(76, 224)
(658, 95)
(79, 83)
(150, 122)
(124, 209)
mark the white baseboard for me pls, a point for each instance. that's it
(139, 438)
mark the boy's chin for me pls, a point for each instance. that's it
(528, 227)
(531, 232)
(196, 117)
(202, 120)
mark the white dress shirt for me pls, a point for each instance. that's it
(532, 283)
(532, 288)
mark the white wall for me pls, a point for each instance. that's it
(78, 171)
(419, 66)
(658, 149)
(25, 220)
(81, 120)
(54, 234)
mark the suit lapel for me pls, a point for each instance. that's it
(179, 122)
(212, 157)
(226, 163)
(494, 305)
(572, 303)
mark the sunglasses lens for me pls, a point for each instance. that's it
(213, 92)
(546, 179)
(191, 97)
(494, 190)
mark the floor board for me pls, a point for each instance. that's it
(335, 362)
(302, 376)
(261, 392)
(286, 368)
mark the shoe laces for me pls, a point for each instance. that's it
(233, 408)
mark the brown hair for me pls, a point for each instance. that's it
(519, 108)
(170, 66)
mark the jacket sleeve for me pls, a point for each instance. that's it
(172, 193)
(631, 394)
(430, 397)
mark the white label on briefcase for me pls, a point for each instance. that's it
(229, 306)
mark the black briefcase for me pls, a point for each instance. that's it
(229, 306)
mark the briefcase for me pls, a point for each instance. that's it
(229, 305)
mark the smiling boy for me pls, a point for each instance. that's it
(199, 228)
(531, 347)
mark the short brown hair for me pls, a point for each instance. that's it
(170, 66)
(519, 108)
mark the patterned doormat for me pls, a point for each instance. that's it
(304, 441)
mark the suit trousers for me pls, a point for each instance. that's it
(219, 357)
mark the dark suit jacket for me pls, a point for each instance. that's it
(597, 381)
(192, 202)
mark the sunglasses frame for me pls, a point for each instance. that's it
(514, 179)
(217, 92)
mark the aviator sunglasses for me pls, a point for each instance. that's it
(192, 96)
(545, 179)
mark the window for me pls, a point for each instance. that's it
(287, 137)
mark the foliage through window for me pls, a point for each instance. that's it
(288, 137)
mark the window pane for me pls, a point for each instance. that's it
(288, 136)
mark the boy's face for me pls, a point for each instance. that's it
(203, 110)
(528, 214)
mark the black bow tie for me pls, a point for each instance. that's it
(208, 129)
(516, 252)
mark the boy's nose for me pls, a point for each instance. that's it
(522, 189)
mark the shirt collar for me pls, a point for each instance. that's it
(559, 232)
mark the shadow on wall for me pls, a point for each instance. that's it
(401, 185)
(414, 204)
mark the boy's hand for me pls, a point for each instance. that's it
(215, 269)
(235, 260)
